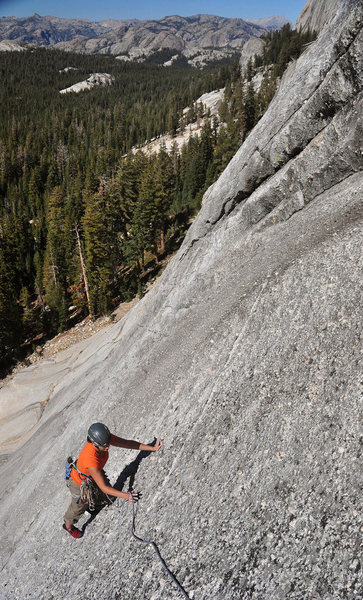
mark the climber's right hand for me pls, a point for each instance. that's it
(133, 497)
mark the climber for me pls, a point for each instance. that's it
(88, 484)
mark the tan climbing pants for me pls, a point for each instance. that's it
(77, 507)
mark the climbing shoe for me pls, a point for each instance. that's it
(74, 531)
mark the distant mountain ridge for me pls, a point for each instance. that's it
(271, 23)
(188, 35)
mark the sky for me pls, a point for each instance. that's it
(97, 10)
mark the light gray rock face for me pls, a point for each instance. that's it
(245, 358)
(94, 80)
(250, 49)
(10, 46)
(316, 13)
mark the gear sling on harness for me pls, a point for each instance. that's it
(90, 492)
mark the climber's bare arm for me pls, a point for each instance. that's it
(132, 445)
(99, 478)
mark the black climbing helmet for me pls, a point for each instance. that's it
(99, 434)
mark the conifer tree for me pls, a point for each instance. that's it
(165, 188)
(102, 248)
(10, 319)
(250, 107)
(54, 270)
(124, 191)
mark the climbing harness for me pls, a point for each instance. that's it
(90, 493)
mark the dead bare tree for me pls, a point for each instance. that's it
(84, 272)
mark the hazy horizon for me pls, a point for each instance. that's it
(141, 10)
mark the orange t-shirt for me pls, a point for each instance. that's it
(89, 457)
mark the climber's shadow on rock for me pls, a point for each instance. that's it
(128, 473)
